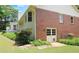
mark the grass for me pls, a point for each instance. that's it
(6, 46)
(67, 49)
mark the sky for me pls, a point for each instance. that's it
(21, 8)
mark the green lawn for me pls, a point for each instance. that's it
(67, 49)
(6, 46)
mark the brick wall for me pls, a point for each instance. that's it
(45, 18)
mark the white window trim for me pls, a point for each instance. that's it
(27, 16)
(61, 18)
(52, 28)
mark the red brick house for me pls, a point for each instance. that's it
(50, 22)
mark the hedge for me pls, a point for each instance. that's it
(74, 41)
(10, 35)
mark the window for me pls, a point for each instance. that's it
(48, 31)
(53, 32)
(29, 16)
(8, 17)
(14, 27)
(72, 20)
(61, 18)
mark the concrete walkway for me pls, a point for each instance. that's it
(53, 45)
(57, 44)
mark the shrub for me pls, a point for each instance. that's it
(70, 36)
(62, 40)
(39, 43)
(23, 38)
(77, 41)
(36, 43)
(10, 35)
(70, 42)
(74, 41)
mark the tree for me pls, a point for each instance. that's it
(5, 11)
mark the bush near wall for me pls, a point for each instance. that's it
(23, 38)
(74, 41)
(10, 35)
(39, 43)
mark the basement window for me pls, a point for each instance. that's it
(29, 16)
(72, 20)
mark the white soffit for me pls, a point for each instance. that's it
(63, 9)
